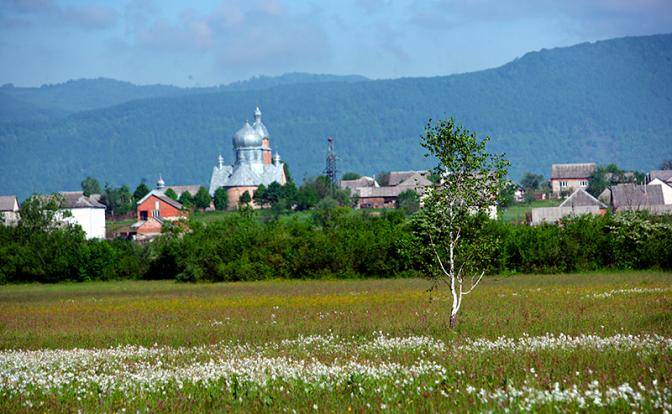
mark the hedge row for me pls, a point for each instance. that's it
(340, 244)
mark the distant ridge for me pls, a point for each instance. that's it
(607, 101)
(58, 100)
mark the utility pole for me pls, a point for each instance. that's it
(330, 170)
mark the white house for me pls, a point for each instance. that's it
(9, 210)
(85, 211)
(666, 189)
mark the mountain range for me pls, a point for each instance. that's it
(606, 101)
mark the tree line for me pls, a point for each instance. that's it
(327, 241)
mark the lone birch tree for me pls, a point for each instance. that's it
(470, 180)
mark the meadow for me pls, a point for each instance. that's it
(571, 342)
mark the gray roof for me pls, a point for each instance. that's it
(246, 174)
(161, 196)
(581, 198)
(387, 191)
(77, 199)
(582, 170)
(419, 179)
(8, 203)
(635, 196)
(360, 182)
(397, 177)
(662, 175)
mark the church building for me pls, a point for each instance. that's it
(254, 165)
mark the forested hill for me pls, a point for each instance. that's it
(608, 101)
(55, 101)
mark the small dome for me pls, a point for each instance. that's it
(246, 137)
(160, 183)
(260, 129)
(258, 125)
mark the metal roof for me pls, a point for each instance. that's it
(581, 198)
(581, 170)
(636, 196)
(77, 199)
(662, 175)
(8, 203)
(396, 177)
(360, 182)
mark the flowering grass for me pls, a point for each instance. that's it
(542, 343)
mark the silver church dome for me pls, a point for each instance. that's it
(246, 137)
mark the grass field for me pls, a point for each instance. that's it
(584, 342)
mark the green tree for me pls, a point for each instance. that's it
(140, 191)
(259, 196)
(274, 193)
(118, 201)
(351, 176)
(506, 196)
(186, 199)
(90, 186)
(221, 199)
(41, 213)
(202, 198)
(408, 201)
(531, 182)
(471, 182)
(170, 193)
(288, 174)
(245, 199)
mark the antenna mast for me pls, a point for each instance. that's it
(330, 170)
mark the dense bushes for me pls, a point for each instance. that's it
(335, 243)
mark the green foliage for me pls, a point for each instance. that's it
(221, 199)
(506, 195)
(170, 193)
(331, 241)
(610, 175)
(260, 195)
(666, 164)
(118, 201)
(408, 201)
(351, 176)
(288, 174)
(140, 191)
(532, 182)
(90, 186)
(202, 198)
(245, 199)
(186, 200)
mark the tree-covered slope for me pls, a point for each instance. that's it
(607, 101)
(54, 101)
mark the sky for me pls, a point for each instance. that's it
(214, 42)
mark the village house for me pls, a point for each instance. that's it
(153, 210)
(9, 210)
(86, 212)
(371, 194)
(578, 203)
(566, 178)
(637, 197)
(664, 179)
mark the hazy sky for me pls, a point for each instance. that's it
(213, 42)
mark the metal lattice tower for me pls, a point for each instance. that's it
(330, 171)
